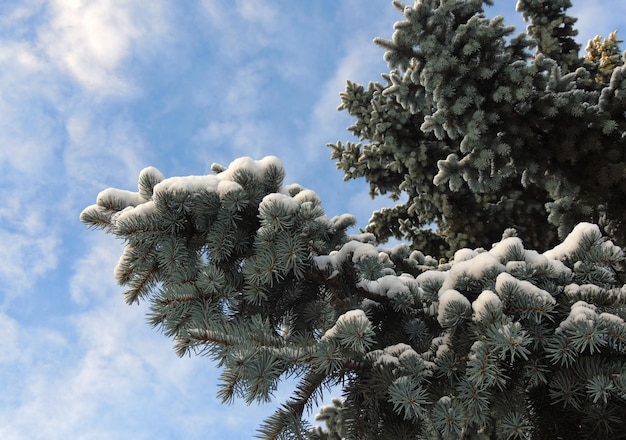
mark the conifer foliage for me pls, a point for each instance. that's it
(492, 342)
(512, 130)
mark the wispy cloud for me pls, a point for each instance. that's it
(23, 259)
(360, 63)
(9, 343)
(230, 26)
(103, 149)
(91, 39)
(104, 373)
(28, 127)
(61, 60)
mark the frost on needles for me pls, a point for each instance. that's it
(503, 318)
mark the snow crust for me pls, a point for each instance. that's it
(257, 167)
(441, 344)
(464, 255)
(485, 299)
(149, 174)
(153, 173)
(350, 318)
(221, 184)
(583, 290)
(193, 184)
(572, 242)
(611, 320)
(560, 269)
(584, 312)
(445, 401)
(287, 202)
(579, 312)
(307, 195)
(386, 360)
(343, 220)
(432, 277)
(114, 196)
(502, 248)
(226, 186)
(393, 355)
(476, 268)
(186, 184)
(144, 210)
(445, 299)
(540, 262)
(525, 286)
(118, 271)
(535, 258)
(389, 285)
(335, 259)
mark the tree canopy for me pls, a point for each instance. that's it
(503, 316)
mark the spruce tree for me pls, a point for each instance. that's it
(469, 331)
(514, 131)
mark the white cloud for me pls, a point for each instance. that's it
(362, 63)
(29, 245)
(239, 31)
(357, 59)
(45, 182)
(103, 150)
(9, 342)
(90, 39)
(97, 385)
(27, 129)
(243, 96)
(24, 258)
(259, 11)
(21, 55)
(110, 375)
(94, 271)
(58, 138)
(113, 359)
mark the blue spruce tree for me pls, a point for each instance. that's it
(503, 321)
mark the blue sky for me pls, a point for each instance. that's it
(91, 92)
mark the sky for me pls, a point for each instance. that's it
(93, 91)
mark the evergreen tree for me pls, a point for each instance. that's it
(486, 140)
(513, 131)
